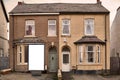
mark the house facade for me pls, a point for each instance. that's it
(4, 46)
(76, 36)
(115, 52)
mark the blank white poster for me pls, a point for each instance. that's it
(36, 57)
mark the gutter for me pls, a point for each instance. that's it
(34, 14)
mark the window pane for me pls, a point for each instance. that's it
(89, 25)
(30, 27)
(80, 54)
(66, 22)
(26, 54)
(65, 58)
(52, 27)
(19, 58)
(52, 22)
(90, 56)
(90, 48)
(20, 55)
(89, 29)
(66, 27)
(90, 53)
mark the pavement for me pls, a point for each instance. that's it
(50, 76)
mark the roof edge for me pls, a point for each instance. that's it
(4, 10)
(34, 13)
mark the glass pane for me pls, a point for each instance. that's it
(29, 29)
(31, 22)
(20, 57)
(89, 24)
(26, 54)
(52, 27)
(90, 48)
(80, 54)
(52, 30)
(52, 22)
(65, 58)
(90, 56)
(65, 29)
(65, 22)
(89, 29)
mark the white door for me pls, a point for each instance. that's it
(65, 61)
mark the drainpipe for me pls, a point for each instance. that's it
(105, 45)
(13, 45)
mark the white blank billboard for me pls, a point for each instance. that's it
(36, 57)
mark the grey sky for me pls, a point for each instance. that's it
(111, 5)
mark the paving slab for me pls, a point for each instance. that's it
(25, 76)
(51, 76)
(95, 77)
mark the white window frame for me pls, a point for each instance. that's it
(91, 20)
(80, 52)
(63, 24)
(21, 54)
(51, 24)
(98, 54)
(31, 23)
(90, 51)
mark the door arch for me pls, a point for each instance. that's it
(65, 59)
(53, 60)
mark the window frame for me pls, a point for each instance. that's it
(66, 34)
(21, 55)
(98, 54)
(27, 23)
(90, 51)
(52, 25)
(86, 23)
(80, 53)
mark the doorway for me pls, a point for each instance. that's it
(53, 59)
(65, 59)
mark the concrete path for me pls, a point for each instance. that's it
(28, 76)
(25, 76)
(95, 77)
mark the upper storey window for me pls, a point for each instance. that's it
(51, 27)
(66, 27)
(89, 26)
(30, 28)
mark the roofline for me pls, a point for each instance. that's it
(57, 13)
(89, 43)
(4, 10)
(33, 14)
(84, 12)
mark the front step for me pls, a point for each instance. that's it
(67, 76)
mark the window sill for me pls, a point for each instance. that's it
(65, 35)
(89, 64)
(89, 35)
(51, 35)
(30, 36)
(22, 64)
